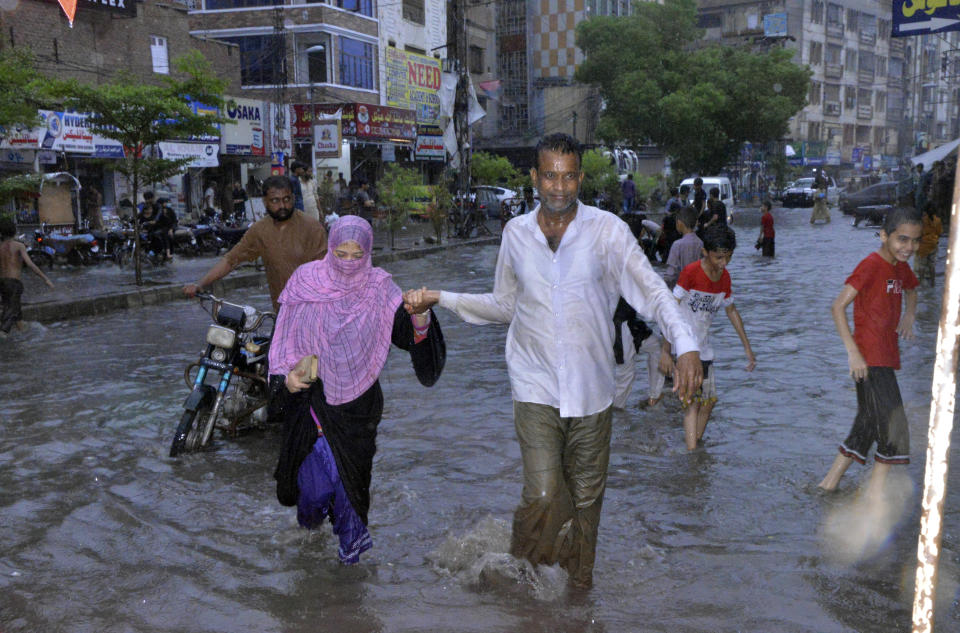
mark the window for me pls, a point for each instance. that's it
(834, 55)
(867, 63)
(851, 60)
(831, 92)
(852, 20)
(816, 53)
(261, 59)
(816, 12)
(710, 21)
(849, 97)
(476, 59)
(865, 96)
(815, 88)
(356, 63)
(880, 100)
(813, 131)
(884, 29)
(158, 53)
(835, 15)
(413, 11)
(363, 7)
(881, 66)
(895, 68)
(317, 64)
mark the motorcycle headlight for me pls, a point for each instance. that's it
(220, 336)
(218, 354)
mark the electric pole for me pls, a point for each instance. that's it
(461, 106)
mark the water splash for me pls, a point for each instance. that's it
(480, 560)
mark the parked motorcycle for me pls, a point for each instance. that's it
(48, 248)
(230, 389)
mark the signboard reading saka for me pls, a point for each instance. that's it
(121, 8)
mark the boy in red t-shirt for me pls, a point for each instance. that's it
(765, 240)
(876, 289)
(704, 288)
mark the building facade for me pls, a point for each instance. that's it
(873, 99)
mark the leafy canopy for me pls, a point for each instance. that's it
(699, 102)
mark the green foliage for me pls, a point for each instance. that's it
(441, 202)
(21, 92)
(698, 102)
(19, 185)
(599, 178)
(488, 169)
(141, 115)
(398, 190)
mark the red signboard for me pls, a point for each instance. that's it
(359, 121)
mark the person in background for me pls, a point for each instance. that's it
(765, 241)
(924, 262)
(308, 187)
(297, 170)
(13, 256)
(629, 190)
(685, 250)
(239, 202)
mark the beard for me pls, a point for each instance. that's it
(565, 207)
(282, 215)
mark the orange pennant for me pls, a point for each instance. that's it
(69, 8)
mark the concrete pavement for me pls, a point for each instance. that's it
(104, 288)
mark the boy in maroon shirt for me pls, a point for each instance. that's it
(876, 289)
(767, 234)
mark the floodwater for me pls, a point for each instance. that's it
(103, 533)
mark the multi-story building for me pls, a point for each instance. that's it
(873, 98)
(140, 39)
(537, 58)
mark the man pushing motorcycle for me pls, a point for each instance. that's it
(284, 238)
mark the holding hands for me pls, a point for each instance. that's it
(419, 301)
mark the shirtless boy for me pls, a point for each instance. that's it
(13, 255)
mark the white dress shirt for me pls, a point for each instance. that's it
(560, 308)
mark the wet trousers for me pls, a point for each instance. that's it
(564, 477)
(10, 312)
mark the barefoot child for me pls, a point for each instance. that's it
(13, 255)
(704, 287)
(876, 289)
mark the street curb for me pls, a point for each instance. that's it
(164, 293)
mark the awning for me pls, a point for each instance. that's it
(929, 158)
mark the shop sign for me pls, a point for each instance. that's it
(429, 143)
(17, 156)
(106, 147)
(413, 83)
(359, 121)
(20, 137)
(200, 154)
(208, 110)
(326, 137)
(243, 136)
(66, 132)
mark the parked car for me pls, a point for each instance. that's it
(490, 197)
(709, 182)
(801, 193)
(882, 193)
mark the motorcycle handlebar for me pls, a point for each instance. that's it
(217, 302)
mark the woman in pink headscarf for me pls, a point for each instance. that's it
(345, 313)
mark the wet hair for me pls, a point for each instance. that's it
(714, 192)
(688, 215)
(148, 195)
(674, 192)
(684, 190)
(559, 142)
(698, 181)
(7, 227)
(768, 204)
(898, 216)
(281, 183)
(295, 165)
(719, 237)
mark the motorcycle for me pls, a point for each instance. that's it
(48, 248)
(230, 389)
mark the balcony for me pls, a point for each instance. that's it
(868, 37)
(896, 45)
(865, 76)
(835, 29)
(833, 71)
(864, 112)
(895, 115)
(831, 108)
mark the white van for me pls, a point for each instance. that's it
(709, 182)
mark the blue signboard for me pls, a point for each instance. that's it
(867, 162)
(775, 25)
(916, 17)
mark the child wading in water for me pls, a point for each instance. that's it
(13, 255)
(704, 287)
(876, 289)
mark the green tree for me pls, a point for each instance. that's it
(599, 179)
(488, 169)
(141, 115)
(398, 190)
(697, 101)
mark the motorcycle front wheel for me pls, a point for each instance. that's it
(188, 437)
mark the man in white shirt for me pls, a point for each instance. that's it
(559, 275)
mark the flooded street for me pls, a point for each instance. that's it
(103, 533)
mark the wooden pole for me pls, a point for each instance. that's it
(941, 424)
